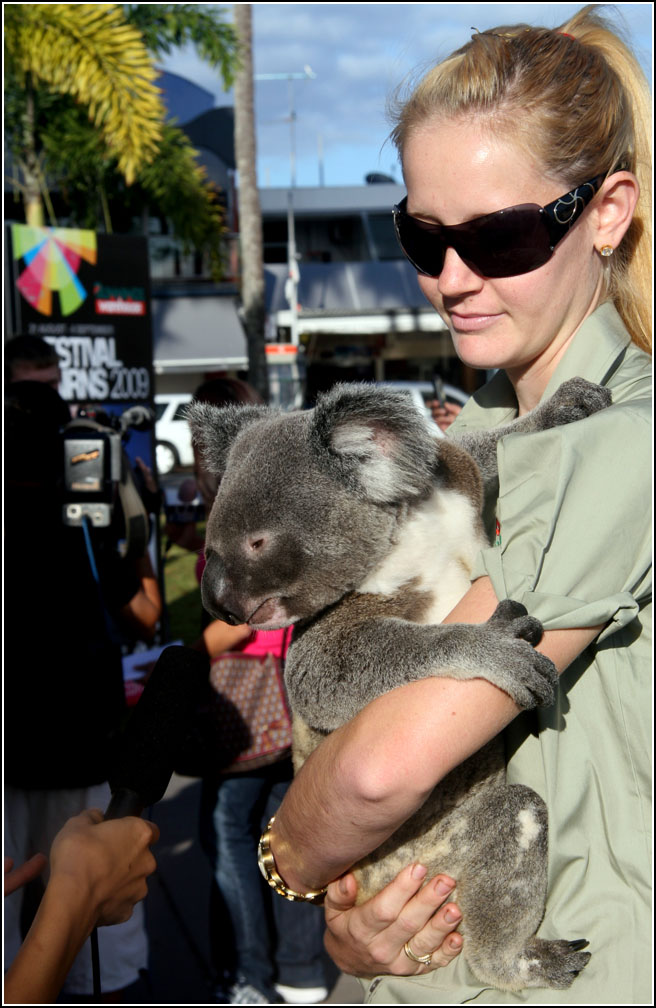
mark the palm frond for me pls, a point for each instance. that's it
(90, 52)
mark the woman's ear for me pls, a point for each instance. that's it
(614, 208)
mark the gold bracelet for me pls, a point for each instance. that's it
(267, 865)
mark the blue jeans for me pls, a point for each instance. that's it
(255, 934)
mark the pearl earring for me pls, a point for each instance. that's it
(606, 250)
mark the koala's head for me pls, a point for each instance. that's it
(309, 503)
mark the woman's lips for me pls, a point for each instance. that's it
(471, 322)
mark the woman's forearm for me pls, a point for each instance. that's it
(368, 777)
(62, 924)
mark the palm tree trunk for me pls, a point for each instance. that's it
(29, 164)
(250, 216)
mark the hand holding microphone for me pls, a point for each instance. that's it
(103, 866)
(98, 871)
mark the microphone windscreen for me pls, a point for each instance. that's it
(148, 749)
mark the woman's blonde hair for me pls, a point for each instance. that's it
(577, 99)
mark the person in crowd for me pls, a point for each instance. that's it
(527, 160)
(444, 413)
(263, 949)
(71, 600)
(30, 358)
(98, 872)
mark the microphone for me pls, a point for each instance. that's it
(158, 724)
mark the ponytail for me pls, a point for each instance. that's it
(630, 279)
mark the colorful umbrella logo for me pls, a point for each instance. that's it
(52, 258)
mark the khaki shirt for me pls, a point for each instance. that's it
(575, 527)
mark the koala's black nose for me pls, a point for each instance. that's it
(225, 615)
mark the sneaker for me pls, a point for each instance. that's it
(302, 995)
(239, 992)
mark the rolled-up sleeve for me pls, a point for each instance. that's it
(574, 511)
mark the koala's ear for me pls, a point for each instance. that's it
(374, 440)
(214, 429)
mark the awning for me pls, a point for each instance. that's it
(353, 298)
(202, 332)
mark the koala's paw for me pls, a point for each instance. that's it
(526, 675)
(553, 964)
(573, 400)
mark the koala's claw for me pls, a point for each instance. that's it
(513, 617)
(557, 963)
(507, 610)
(578, 944)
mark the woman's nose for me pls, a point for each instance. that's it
(457, 278)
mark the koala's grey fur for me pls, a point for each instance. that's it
(354, 523)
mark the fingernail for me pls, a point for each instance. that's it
(343, 888)
(444, 888)
(418, 872)
(451, 916)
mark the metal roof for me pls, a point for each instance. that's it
(348, 287)
(317, 200)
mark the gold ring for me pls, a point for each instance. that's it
(425, 960)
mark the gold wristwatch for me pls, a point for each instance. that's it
(267, 865)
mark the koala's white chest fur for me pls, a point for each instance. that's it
(436, 548)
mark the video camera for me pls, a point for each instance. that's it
(98, 475)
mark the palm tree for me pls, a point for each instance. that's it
(250, 216)
(50, 131)
(91, 53)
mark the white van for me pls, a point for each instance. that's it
(172, 434)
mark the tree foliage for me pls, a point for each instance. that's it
(167, 26)
(77, 76)
(90, 52)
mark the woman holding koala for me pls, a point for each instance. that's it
(526, 156)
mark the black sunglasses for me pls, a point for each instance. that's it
(506, 243)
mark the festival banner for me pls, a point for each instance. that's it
(88, 295)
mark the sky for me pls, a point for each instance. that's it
(359, 54)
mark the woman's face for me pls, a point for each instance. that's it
(454, 171)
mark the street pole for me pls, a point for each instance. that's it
(291, 287)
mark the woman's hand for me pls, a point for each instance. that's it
(368, 940)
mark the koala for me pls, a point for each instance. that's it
(356, 524)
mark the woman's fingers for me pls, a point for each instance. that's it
(436, 937)
(372, 938)
(17, 877)
(341, 895)
(378, 913)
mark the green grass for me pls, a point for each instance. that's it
(182, 593)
